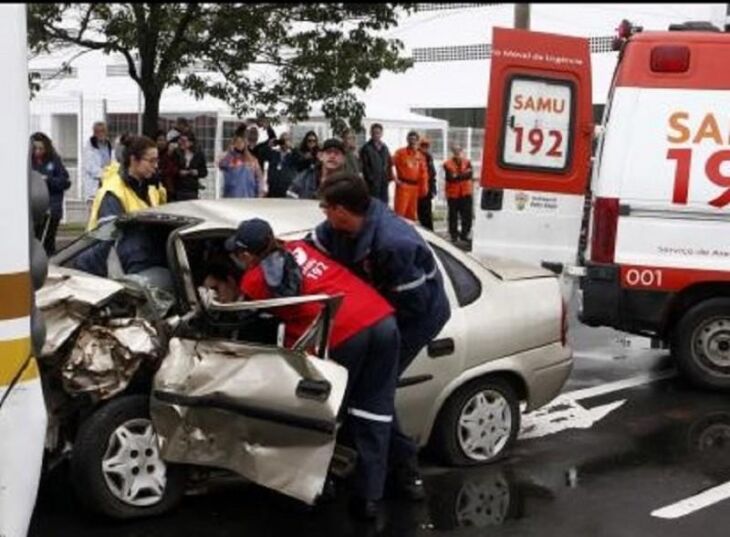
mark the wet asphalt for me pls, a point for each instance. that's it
(666, 442)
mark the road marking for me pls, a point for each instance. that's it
(694, 503)
(561, 414)
(619, 385)
(565, 412)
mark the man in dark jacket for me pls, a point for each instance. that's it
(376, 163)
(191, 168)
(425, 209)
(331, 159)
(281, 166)
(366, 236)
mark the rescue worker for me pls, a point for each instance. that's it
(411, 178)
(124, 190)
(362, 233)
(364, 339)
(459, 176)
(377, 164)
(425, 209)
(331, 159)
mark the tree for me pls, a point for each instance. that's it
(267, 59)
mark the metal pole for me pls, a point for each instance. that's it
(522, 16)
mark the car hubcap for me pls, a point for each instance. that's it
(485, 425)
(712, 343)
(132, 467)
(483, 504)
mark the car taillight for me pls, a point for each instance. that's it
(563, 323)
(605, 223)
(670, 59)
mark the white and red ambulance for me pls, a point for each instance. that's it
(659, 257)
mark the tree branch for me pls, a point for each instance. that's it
(175, 44)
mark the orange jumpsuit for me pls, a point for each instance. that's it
(412, 173)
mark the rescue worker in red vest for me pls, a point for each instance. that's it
(411, 181)
(459, 177)
(364, 339)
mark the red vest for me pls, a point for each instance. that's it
(361, 307)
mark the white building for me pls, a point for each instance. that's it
(444, 95)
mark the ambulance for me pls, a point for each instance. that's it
(22, 410)
(653, 204)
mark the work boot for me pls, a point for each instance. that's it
(364, 509)
(406, 482)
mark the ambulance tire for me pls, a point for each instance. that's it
(473, 403)
(91, 447)
(708, 319)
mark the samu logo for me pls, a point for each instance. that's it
(521, 200)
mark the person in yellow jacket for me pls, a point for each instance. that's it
(126, 189)
(459, 177)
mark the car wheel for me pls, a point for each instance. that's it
(701, 344)
(479, 423)
(116, 466)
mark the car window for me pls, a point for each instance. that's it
(466, 285)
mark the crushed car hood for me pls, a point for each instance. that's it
(242, 407)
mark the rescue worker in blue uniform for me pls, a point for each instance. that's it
(364, 339)
(366, 236)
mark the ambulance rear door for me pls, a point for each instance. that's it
(537, 149)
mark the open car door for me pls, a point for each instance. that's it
(265, 412)
(536, 165)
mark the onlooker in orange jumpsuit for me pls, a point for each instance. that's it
(459, 193)
(411, 178)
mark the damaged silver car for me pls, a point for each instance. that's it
(149, 380)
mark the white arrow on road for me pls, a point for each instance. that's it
(563, 413)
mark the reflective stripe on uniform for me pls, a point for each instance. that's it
(364, 414)
(415, 283)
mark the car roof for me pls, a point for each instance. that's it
(286, 216)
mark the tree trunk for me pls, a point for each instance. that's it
(151, 113)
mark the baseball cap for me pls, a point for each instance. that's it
(334, 143)
(252, 235)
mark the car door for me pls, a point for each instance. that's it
(537, 148)
(263, 411)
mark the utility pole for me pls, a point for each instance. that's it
(522, 16)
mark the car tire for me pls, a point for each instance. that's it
(701, 344)
(491, 407)
(116, 452)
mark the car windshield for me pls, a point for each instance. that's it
(104, 232)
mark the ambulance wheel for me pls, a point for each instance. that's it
(116, 468)
(478, 424)
(701, 344)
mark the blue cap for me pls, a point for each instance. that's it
(252, 235)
